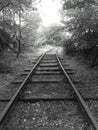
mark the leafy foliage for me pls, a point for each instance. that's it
(54, 35)
(83, 23)
(5, 39)
(69, 4)
(11, 12)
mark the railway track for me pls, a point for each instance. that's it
(47, 81)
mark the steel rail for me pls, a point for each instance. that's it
(89, 116)
(21, 88)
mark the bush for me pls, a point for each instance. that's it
(70, 47)
(5, 40)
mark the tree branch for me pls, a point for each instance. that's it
(5, 6)
(24, 27)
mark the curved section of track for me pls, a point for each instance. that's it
(48, 65)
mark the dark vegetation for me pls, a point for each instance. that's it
(5, 39)
(83, 24)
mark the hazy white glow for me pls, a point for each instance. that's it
(66, 19)
(68, 35)
(49, 12)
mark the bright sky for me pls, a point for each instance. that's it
(49, 11)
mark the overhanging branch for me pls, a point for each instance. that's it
(5, 6)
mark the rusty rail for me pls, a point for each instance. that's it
(16, 95)
(88, 115)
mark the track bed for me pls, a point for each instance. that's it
(46, 100)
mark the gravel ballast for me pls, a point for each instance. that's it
(49, 114)
(46, 115)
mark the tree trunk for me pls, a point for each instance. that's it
(95, 57)
(19, 41)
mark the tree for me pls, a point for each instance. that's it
(83, 22)
(10, 10)
(32, 22)
(72, 4)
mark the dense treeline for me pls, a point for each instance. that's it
(11, 18)
(82, 23)
(79, 17)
